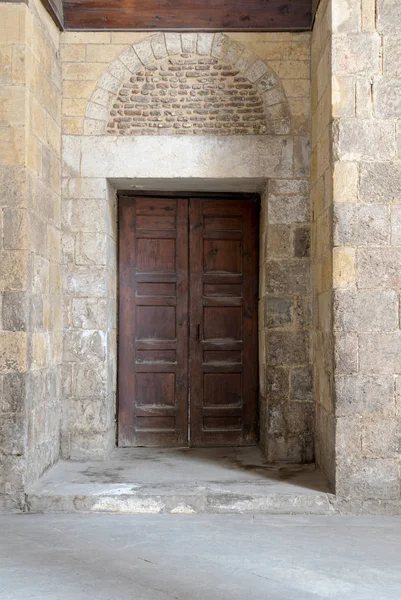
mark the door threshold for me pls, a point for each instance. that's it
(182, 481)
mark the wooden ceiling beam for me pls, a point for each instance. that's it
(188, 15)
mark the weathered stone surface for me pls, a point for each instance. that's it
(302, 385)
(89, 380)
(387, 97)
(14, 394)
(392, 55)
(380, 182)
(287, 348)
(84, 346)
(278, 311)
(278, 241)
(368, 478)
(356, 53)
(90, 313)
(380, 353)
(388, 16)
(302, 242)
(277, 383)
(359, 140)
(381, 438)
(364, 394)
(359, 225)
(346, 352)
(365, 310)
(15, 311)
(284, 210)
(379, 267)
(288, 277)
(343, 267)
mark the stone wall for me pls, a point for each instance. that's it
(97, 67)
(322, 251)
(30, 282)
(366, 63)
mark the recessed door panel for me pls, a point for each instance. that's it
(188, 280)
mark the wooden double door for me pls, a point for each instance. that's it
(188, 326)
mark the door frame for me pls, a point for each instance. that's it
(241, 196)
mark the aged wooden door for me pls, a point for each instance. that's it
(188, 280)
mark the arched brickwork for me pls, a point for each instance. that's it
(187, 84)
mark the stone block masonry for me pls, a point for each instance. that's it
(229, 107)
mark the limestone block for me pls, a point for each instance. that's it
(348, 437)
(73, 52)
(345, 182)
(95, 111)
(346, 353)
(71, 156)
(173, 43)
(387, 97)
(301, 156)
(290, 277)
(392, 55)
(364, 394)
(303, 312)
(267, 82)
(256, 71)
(12, 27)
(302, 386)
(284, 210)
(232, 52)
(78, 89)
(288, 186)
(279, 241)
(130, 59)
(13, 398)
(343, 96)
(87, 416)
(53, 134)
(90, 313)
(359, 225)
(144, 51)
(13, 434)
(119, 70)
(68, 248)
(365, 310)
(380, 182)
(40, 275)
(381, 438)
(15, 311)
(278, 312)
(13, 352)
(14, 270)
(368, 478)
(108, 82)
(346, 16)
(85, 37)
(94, 127)
(15, 229)
(363, 98)
(343, 267)
(218, 45)
(85, 215)
(388, 16)
(356, 53)
(277, 383)
(103, 53)
(379, 267)
(80, 188)
(302, 242)
(380, 353)
(396, 225)
(86, 281)
(91, 249)
(82, 71)
(358, 140)
(12, 146)
(73, 125)
(287, 348)
(204, 43)
(74, 107)
(89, 380)
(84, 346)
(368, 14)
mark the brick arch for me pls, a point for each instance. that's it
(242, 78)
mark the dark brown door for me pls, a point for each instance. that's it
(188, 322)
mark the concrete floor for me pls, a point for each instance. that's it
(202, 557)
(213, 480)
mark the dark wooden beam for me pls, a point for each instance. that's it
(191, 15)
(55, 9)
